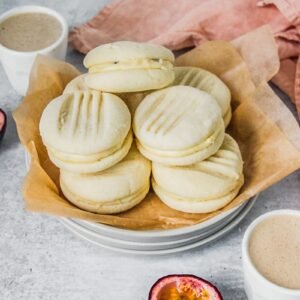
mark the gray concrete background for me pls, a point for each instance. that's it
(40, 259)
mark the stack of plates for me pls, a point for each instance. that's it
(157, 242)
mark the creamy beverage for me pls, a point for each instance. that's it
(274, 249)
(29, 31)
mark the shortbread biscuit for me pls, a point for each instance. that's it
(84, 128)
(205, 186)
(111, 191)
(178, 125)
(91, 164)
(76, 84)
(207, 82)
(124, 66)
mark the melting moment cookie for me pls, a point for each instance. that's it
(179, 125)
(111, 191)
(205, 186)
(76, 84)
(132, 100)
(123, 67)
(207, 82)
(86, 131)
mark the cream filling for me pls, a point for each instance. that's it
(103, 203)
(142, 64)
(181, 153)
(238, 184)
(89, 158)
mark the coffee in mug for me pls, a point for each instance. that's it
(30, 31)
(271, 256)
(274, 249)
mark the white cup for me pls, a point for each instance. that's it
(257, 287)
(17, 64)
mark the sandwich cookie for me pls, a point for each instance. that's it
(205, 186)
(86, 131)
(132, 100)
(207, 82)
(123, 67)
(76, 84)
(111, 191)
(179, 126)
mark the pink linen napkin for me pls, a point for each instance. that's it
(186, 23)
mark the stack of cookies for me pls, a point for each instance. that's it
(178, 116)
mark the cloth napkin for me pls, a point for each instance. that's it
(186, 23)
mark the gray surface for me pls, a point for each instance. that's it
(40, 259)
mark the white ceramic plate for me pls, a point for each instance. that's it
(161, 243)
(115, 246)
(158, 235)
(158, 238)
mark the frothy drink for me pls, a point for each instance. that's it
(274, 249)
(29, 31)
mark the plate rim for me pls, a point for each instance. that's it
(168, 239)
(140, 243)
(164, 232)
(231, 225)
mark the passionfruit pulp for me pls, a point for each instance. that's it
(3, 121)
(183, 287)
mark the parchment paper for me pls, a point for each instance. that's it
(266, 131)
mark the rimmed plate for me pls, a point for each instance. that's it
(115, 246)
(168, 237)
(160, 243)
(154, 235)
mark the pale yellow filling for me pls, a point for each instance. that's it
(87, 158)
(141, 64)
(103, 202)
(219, 197)
(180, 153)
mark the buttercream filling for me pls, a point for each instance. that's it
(103, 202)
(90, 158)
(226, 193)
(181, 153)
(143, 64)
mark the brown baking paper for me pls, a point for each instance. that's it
(266, 131)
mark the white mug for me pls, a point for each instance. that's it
(258, 287)
(17, 64)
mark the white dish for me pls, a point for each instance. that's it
(154, 235)
(153, 238)
(158, 244)
(99, 241)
